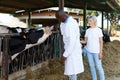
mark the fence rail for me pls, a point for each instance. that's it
(51, 48)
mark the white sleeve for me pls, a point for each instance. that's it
(86, 33)
(100, 33)
(71, 38)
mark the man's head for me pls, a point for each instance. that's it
(61, 16)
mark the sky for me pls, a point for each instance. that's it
(99, 21)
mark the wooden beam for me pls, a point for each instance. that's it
(21, 74)
(10, 6)
(110, 4)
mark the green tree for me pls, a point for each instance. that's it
(80, 11)
(92, 12)
(114, 18)
(76, 10)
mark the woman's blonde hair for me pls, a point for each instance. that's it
(93, 18)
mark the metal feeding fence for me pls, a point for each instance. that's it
(49, 49)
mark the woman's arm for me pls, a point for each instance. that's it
(101, 47)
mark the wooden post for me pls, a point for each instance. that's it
(5, 58)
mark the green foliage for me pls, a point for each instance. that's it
(76, 10)
(92, 12)
(80, 11)
(117, 27)
(113, 17)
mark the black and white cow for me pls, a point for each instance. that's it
(26, 40)
(16, 29)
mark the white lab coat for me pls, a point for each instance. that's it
(73, 51)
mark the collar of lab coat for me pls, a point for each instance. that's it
(66, 19)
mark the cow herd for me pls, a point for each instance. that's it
(25, 39)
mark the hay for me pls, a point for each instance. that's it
(54, 69)
(111, 60)
(2, 79)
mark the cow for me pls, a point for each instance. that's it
(26, 40)
(16, 29)
(106, 37)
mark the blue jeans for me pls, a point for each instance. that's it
(93, 58)
(72, 77)
(84, 51)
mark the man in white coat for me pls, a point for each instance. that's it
(73, 51)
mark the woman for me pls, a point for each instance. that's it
(94, 46)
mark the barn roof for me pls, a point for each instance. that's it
(14, 6)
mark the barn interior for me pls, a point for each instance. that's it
(20, 7)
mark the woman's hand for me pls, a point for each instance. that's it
(63, 58)
(100, 55)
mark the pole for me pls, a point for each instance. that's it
(61, 5)
(85, 22)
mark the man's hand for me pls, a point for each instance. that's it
(48, 30)
(63, 58)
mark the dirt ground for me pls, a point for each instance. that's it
(53, 69)
(111, 60)
(116, 36)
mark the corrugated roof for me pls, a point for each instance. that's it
(12, 6)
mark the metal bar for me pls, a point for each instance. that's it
(107, 24)
(29, 19)
(102, 21)
(61, 5)
(85, 22)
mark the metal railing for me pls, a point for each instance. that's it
(49, 49)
